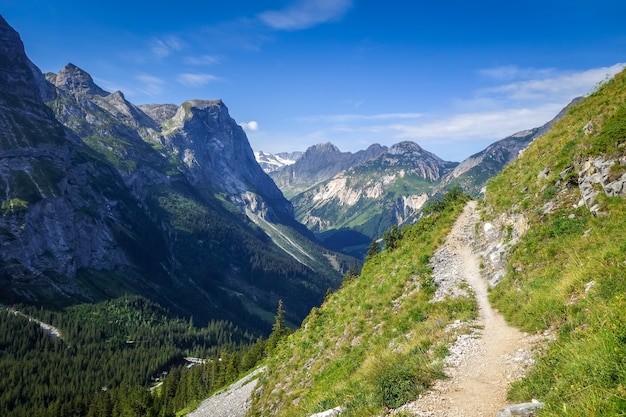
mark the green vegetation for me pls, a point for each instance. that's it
(14, 205)
(114, 150)
(108, 354)
(567, 273)
(378, 341)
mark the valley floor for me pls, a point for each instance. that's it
(483, 364)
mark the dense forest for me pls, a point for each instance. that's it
(144, 364)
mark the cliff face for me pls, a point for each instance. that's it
(101, 198)
(62, 208)
(319, 163)
(217, 154)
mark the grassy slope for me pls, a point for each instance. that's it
(568, 272)
(377, 341)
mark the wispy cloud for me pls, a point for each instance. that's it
(479, 125)
(202, 60)
(196, 80)
(341, 118)
(554, 87)
(304, 14)
(491, 114)
(510, 72)
(150, 85)
(165, 46)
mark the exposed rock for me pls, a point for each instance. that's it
(160, 113)
(594, 176)
(319, 163)
(524, 409)
(329, 413)
(74, 80)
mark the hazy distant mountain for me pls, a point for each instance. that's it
(360, 203)
(273, 162)
(319, 163)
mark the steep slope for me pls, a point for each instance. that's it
(63, 210)
(562, 205)
(376, 343)
(131, 208)
(319, 163)
(360, 203)
(473, 173)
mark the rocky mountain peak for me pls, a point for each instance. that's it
(405, 148)
(74, 80)
(17, 74)
(323, 148)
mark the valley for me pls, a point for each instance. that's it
(150, 258)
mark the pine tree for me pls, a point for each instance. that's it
(279, 329)
(373, 250)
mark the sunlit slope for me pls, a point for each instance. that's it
(568, 271)
(378, 341)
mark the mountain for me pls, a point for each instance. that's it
(273, 162)
(319, 163)
(359, 203)
(350, 201)
(103, 199)
(550, 242)
(473, 173)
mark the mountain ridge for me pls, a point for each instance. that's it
(102, 200)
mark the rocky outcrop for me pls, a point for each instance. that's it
(599, 175)
(216, 153)
(524, 410)
(62, 209)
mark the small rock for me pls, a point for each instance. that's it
(524, 409)
(329, 413)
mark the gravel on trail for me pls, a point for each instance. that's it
(483, 363)
(233, 401)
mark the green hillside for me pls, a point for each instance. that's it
(378, 341)
(568, 272)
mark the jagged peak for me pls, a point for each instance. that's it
(204, 104)
(73, 79)
(404, 147)
(323, 147)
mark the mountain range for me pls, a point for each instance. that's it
(349, 199)
(103, 198)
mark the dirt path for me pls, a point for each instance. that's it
(481, 365)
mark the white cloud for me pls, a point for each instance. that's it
(560, 87)
(482, 125)
(196, 80)
(303, 14)
(343, 118)
(251, 125)
(203, 60)
(164, 47)
(151, 85)
(509, 72)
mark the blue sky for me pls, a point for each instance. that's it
(451, 75)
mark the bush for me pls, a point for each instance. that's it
(400, 378)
